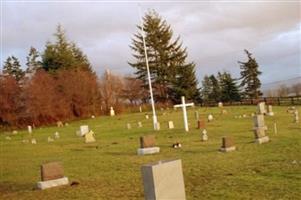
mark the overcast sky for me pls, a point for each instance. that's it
(215, 33)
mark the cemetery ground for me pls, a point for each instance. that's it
(111, 169)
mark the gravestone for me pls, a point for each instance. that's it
(296, 116)
(201, 124)
(220, 104)
(147, 145)
(112, 112)
(196, 115)
(84, 129)
(204, 135)
(146, 116)
(261, 108)
(33, 141)
(139, 124)
(227, 144)
(170, 125)
(140, 109)
(93, 117)
(56, 135)
(163, 180)
(210, 117)
(29, 128)
(128, 125)
(224, 111)
(25, 141)
(49, 139)
(89, 137)
(52, 175)
(15, 132)
(259, 129)
(59, 124)
(270, 111)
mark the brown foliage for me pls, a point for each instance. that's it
(9, 100)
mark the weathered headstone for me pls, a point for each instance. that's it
(296, 116)
(139, 124)
(112, 112)
(93, 117)
(56, 135)
(33, 141)
(220, 104)
(89, 137)
(210, 117)
(204, 135)
(270, 110)
(157, 126)
(52, 175)
(140, 109)
(259, 129)
(146, 116)
(84, 129)
(147, 145)
(261, 108)
(29, 128)
(170, 125)
(196, 115)
(128, 125)
(227, 144)
(163, 180)
(49, 139)
(59, 124)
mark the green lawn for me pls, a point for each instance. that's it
(110, 168)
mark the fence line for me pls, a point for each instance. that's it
(280, 101)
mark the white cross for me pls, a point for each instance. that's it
(183, 105)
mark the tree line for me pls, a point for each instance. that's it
(60, 84)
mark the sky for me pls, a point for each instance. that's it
(215, 33)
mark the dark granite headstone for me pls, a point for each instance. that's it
(227, 142)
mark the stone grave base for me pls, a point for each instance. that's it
(228, 149)
(42, 185)
(149, 150)
(262, 140)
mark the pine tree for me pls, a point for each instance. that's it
(12, 67)
(229, 88)
(63, 54)
(215, 93)
(206, 88)
(249, 76)
(33, 64)
(167, 61)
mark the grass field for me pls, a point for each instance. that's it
(110, 168)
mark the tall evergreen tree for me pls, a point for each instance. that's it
(229, 88)
(167, 61)
(249, 77)
(12, 67)
(216, 90)
(206, 88)
(63, 54)
(33, 64)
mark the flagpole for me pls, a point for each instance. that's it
(155, 121)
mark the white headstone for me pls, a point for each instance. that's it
(220, 104)
(270, 110)
(112, 112)
(140, 109)
(33, 141)
(296, 116)
(184, 105)
(170, 125)
(56, 135)
(210, 117)
(204, 135)
(139, 124)
(146, 116)
(84, 129)
(261, 108)
(128, 125)
(29, 128)
(89, 137)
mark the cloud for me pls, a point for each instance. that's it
(215, 33)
